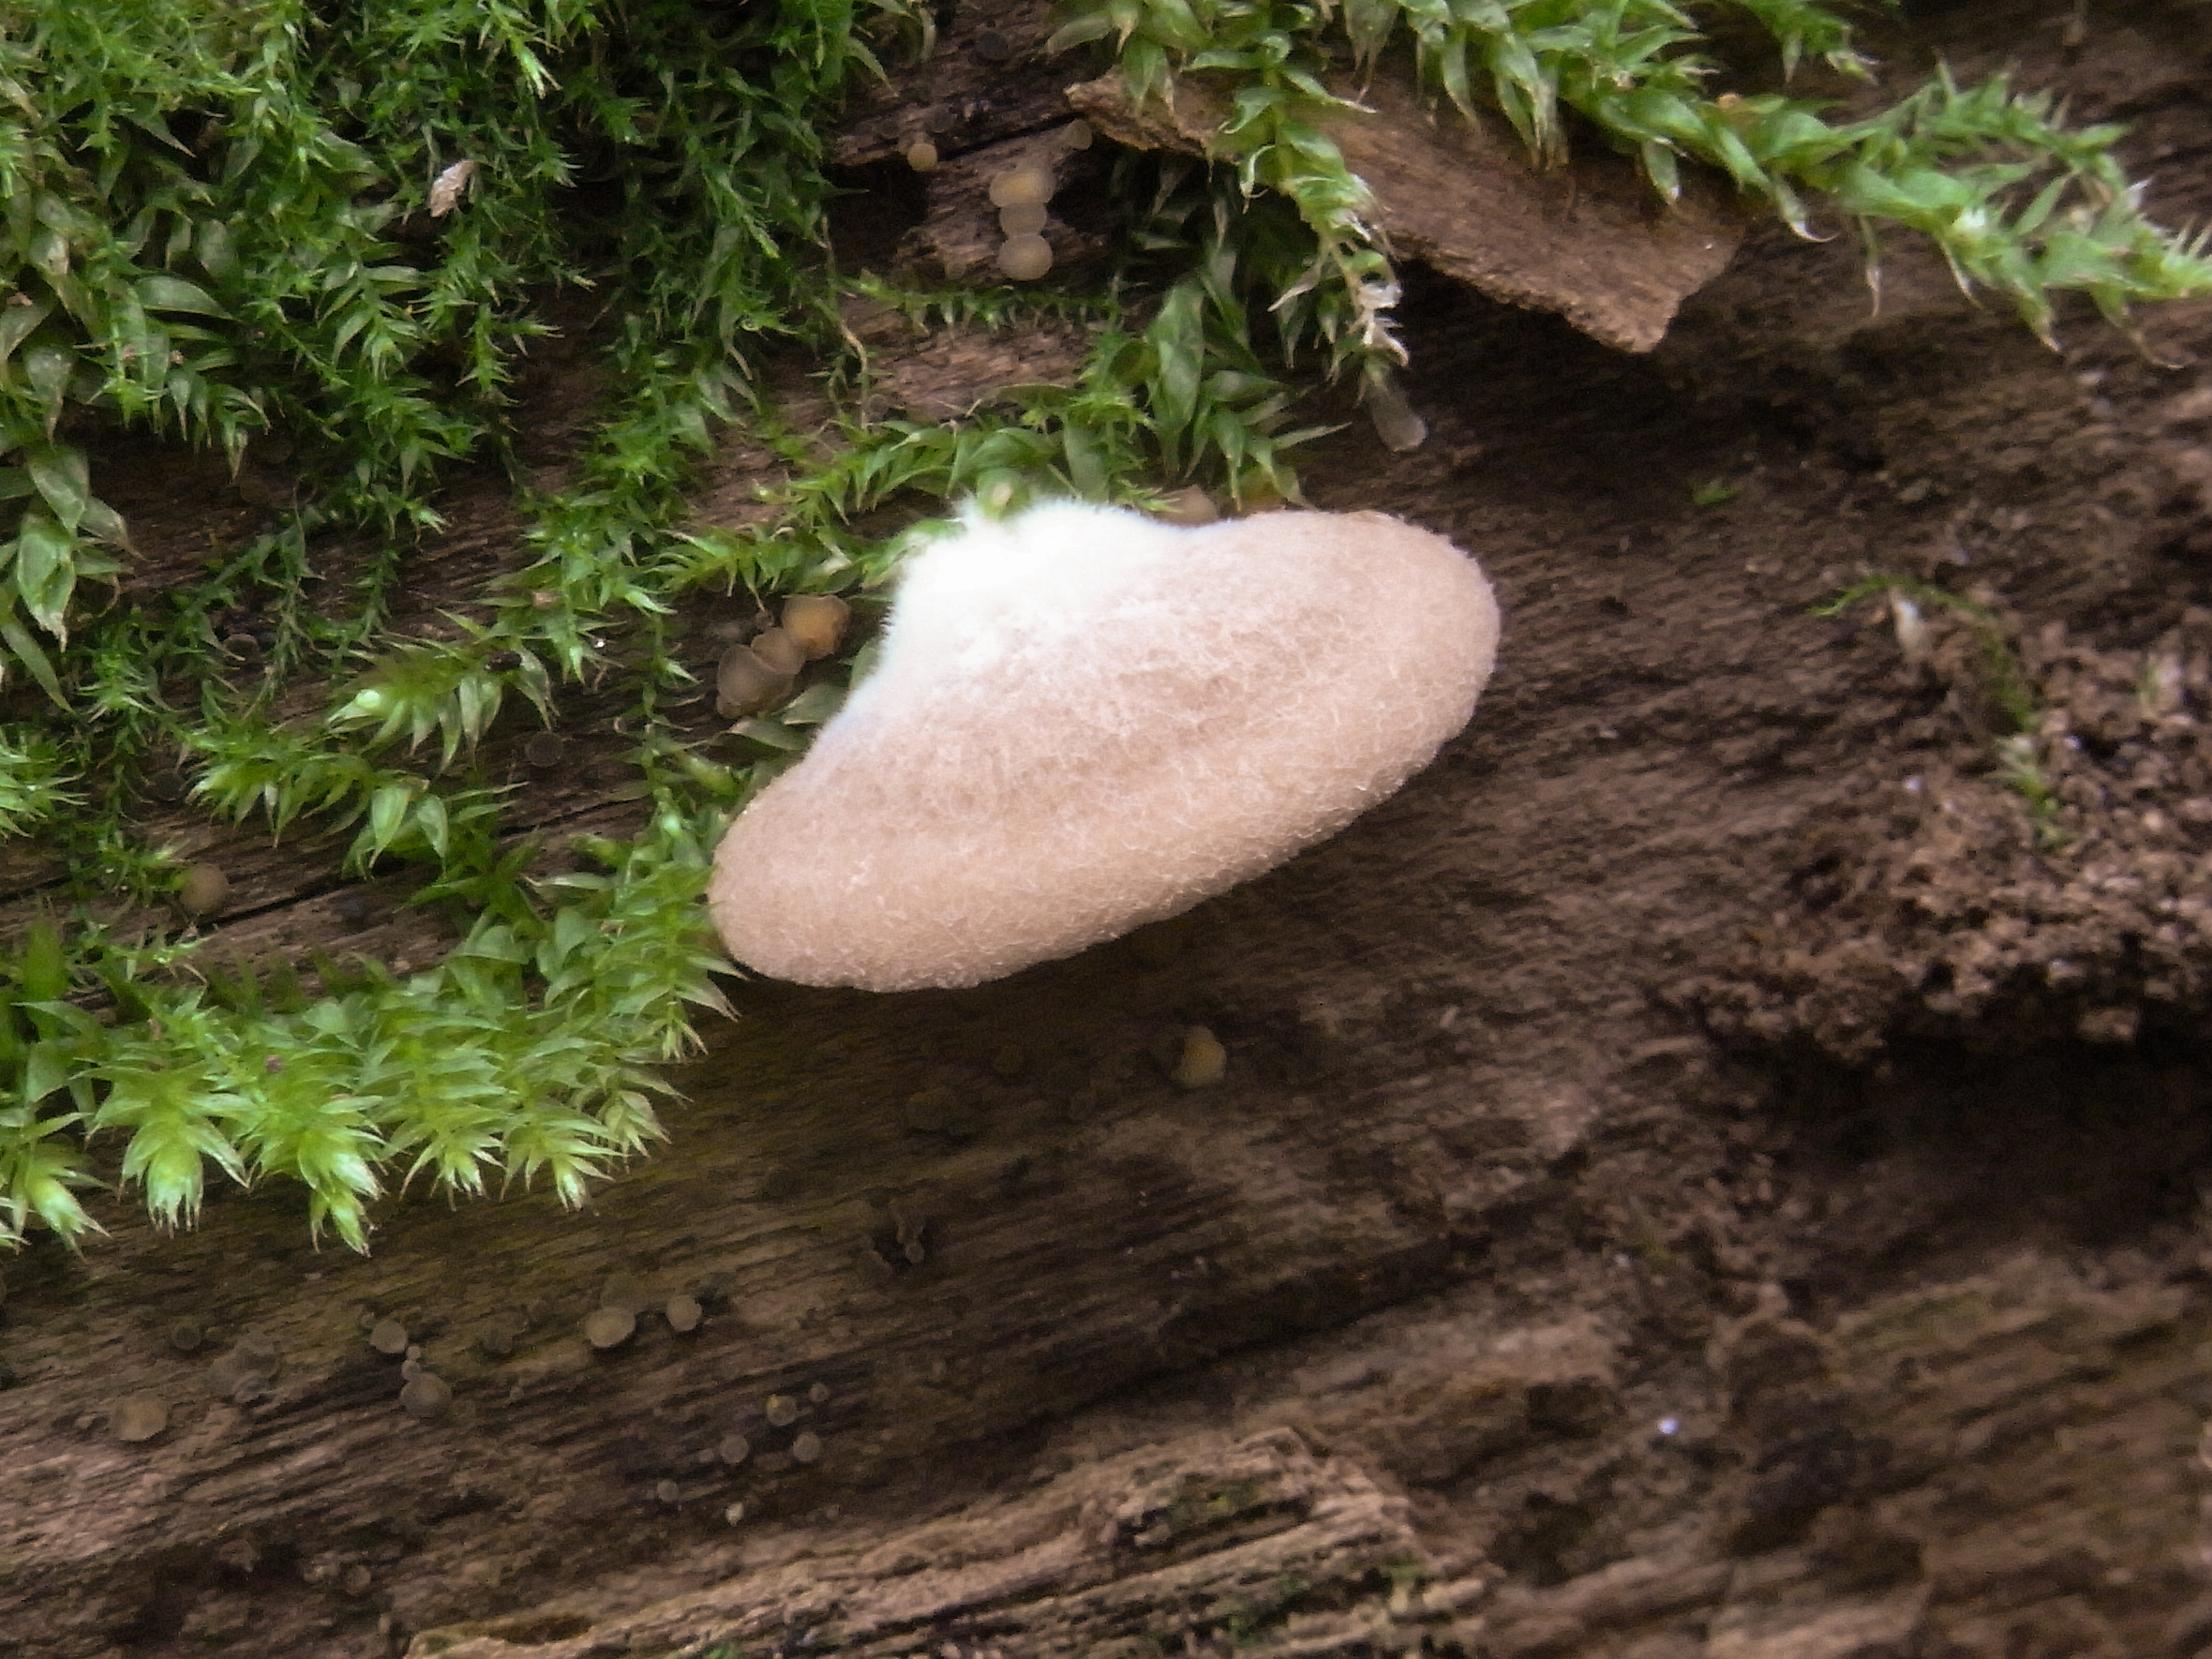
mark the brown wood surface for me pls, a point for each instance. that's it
(1486, 1308)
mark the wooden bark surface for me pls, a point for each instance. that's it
(1486, 1308)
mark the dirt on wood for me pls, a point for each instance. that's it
(1712, 1169)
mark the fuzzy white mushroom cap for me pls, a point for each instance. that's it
(1081, 720)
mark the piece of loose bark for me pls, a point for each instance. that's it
(1588, 240)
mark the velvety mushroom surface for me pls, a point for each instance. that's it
(1083, 720)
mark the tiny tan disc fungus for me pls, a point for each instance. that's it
(610, 1328)
(1205, 1061)
(1024, 258)
(138, 1416)
(1026, 181)
(204, 890)
(1083, 720)
(427, 1394)
(816, 621)
(779, 650)
(921, 155)
(745, 684)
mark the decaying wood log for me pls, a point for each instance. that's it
(1483, 1306)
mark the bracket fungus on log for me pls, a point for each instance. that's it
(1083, 720)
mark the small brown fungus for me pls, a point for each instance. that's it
(427, 1394)
(203, 891)
(683, 1313)
(992, 47)
(625, 1291)
(494, 1340)
(186, 1335)
(1024, 259)
(1022, 218)
(667, 1491)
(819, 1394)
(744, 684)
(388, 1336)
(779, 650)
(734, 1449)
(816, 621)
(1076, 135)
(543, 750)
(806, 1447)
(610, 1328)
(921, 155)
(357, 1579)
(242, 648)
(781, 1409)
(139, 1417)
(352, 907)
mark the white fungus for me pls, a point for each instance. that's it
(781, 1409)
(1021, 219)
(683, 1313)
(806, 1447)
(921, 155)
(1083, 720)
